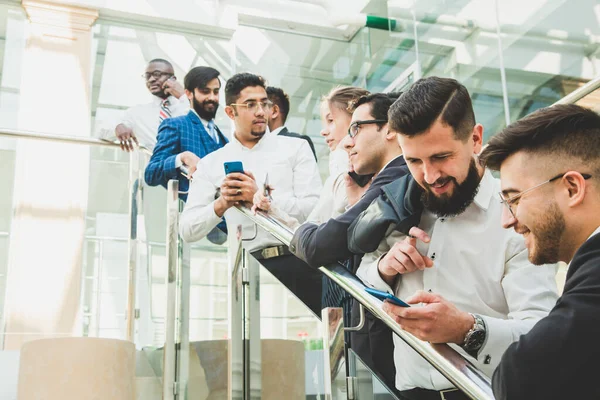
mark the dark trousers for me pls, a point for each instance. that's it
(375, 346)
(299, 278)
(426, 394)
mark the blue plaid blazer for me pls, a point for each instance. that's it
(176, 135)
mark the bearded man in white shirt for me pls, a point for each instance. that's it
(291, 169)
(477, 288)
(140, 123)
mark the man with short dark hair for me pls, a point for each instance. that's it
(184, 140)
(279, 114)
(549, 164)
(290, 167)
(467, 271)
(140, 123)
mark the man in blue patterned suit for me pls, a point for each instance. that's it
(184, 140)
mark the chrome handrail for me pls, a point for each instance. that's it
(580, 93)
(460, 371)
(90, 141)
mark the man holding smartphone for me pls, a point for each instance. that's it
(477, 288)
(140, 123)
(291, 169)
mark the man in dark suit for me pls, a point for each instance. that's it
(549, 163)
(184, 140)
(279, 114)
(373, 149)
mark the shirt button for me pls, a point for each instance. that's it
(442, 219)
(432, 256)
(487, 359)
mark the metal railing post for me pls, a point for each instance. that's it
(132, 243)
(332, 320)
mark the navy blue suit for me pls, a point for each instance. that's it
(176, 135)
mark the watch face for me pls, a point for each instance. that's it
(475, 340)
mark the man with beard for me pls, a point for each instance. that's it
(140, 123)
(291, 169)
(549, 163)
(184, 140)
(477, 288)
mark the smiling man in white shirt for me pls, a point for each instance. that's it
(291, 169)
(140, 123)
(478, 289)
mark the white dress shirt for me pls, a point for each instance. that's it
(292, 172)
(479, 267)
(334, 199)
(144, 121)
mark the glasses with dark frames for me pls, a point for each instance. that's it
(355, 126)
(155, 75)
(512, 202)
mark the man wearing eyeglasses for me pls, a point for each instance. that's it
(477, 288)
(291, 169)
(140, 123)
(549, 163)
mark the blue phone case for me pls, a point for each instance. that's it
(386, 296)
(233, 166)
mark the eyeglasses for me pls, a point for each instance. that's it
(512, 202)
(155, 75)
(355, 126)
(252, 105)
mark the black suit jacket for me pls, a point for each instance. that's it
(284, 132)
(328, 243)
(558, 358)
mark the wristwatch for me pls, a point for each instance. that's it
(475, 337)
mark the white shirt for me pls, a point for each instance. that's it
(144, 121)
(334, 199)
(479, 267)
(292, 172)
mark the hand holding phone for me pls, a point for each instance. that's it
(386, 296)
(361, 180)
(233, 166)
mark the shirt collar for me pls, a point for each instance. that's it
(257, 146)
(389, 162)
(204, 122)
(158, 100)
(276, 131)
(597, 231)
(486, 191)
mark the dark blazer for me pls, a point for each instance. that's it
(558, 358)
(176, 135)
(284, 132)
(327, 243)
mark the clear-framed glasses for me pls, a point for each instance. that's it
(512, 202)
(155, 75)
(252, 105)
(355, 126)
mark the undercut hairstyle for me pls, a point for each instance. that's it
(564, 131)
(161, 60)
(281, 99)
(239, 82)
(198, 78)
(379, 103)
(345, 97)
(430, 99)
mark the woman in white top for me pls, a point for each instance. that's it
(336, 115)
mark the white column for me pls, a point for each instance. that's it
(51, 189)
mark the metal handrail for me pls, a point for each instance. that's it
(580, 93)
(460, 371)
(89, 141)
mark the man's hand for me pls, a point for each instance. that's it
(172, 87)
(261, 202)
(126, 137)
(235, 189)
(190, 160)
(404, 257)
(437, 321)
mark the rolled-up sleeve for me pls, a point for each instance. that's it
(530, 293)
(198, 217)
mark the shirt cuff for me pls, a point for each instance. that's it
(178, 162)
(372, 277)
(498, 338)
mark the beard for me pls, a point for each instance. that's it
(201, 109)
(547, 233)
(450, 205)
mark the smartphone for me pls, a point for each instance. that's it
(233, 166)
(386, 296)
(361, 180)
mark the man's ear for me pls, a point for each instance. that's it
(275, 111)
(230, 111)
(575, 186)
(477, 136)
(189, 95)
